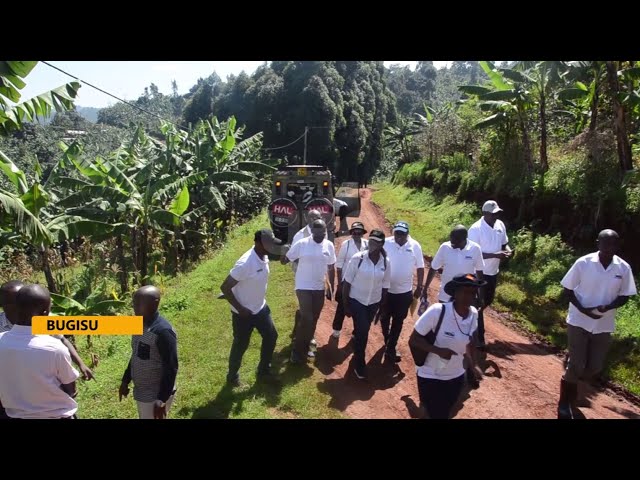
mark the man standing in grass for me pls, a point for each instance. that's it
(245, 288)
(37, 380)
(8, 294)
(596, 285)
(153, 366)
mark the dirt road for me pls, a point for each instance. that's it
(522, 379)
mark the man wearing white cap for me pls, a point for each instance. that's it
(405, 255)
(491, 234)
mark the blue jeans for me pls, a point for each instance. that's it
(242, 329)
(362, 317)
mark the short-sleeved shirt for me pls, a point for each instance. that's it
(366, 278)
(252, 274)
(405, 259)
(594, 286)
(5, 326)
(32, 370)
(456, 261)
(491, 239)
(455, 333)
(347, 250)
(313, 259)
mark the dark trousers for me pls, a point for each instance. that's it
(242, 329)
(362, 317)
(311, 303)
(439, 396)
(338, 318)
(490, 293)
(391, 320)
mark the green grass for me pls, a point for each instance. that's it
(529, 286)
(203, 325)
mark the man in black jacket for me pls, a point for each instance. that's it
(153, 366)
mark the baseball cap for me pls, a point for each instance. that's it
(358, 226)
(401, 227)
(265, 236)
(491, 206)
(377, 236)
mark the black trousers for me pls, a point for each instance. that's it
(392, 319)
(490, 293)
(439, 396)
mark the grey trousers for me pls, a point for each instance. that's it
(311, 303)
(587, 353)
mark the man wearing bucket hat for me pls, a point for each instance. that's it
(405, 255)
(444, 333)
(348, 249)
(365, 285)
(491, 234)
(245, 288)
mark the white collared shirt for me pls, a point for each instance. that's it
(595, 286)
(32, 369)
(405, 258)
(5, 324)
(313, 260)
(491, 240)
(348, 250)
(455, 261)
(367, 280)
(252, 274)
(303, 233)
(455, 333)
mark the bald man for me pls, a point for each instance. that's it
(153, 366)
(37, 379)
(458, 256)
(8, 294)
(596, 285)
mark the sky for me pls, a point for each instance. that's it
(127, 80)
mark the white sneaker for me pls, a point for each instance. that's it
(311, 354)
(336, 334)
(313, 342)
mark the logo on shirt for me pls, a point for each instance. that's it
(260, 270)
(449, 334)
(468, 257)
(326, 254)
(619, 276)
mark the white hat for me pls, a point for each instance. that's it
(491, 206)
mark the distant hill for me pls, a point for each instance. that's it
(89, 113)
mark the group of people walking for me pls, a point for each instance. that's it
(373, 280)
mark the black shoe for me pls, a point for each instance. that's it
(294, 359)
(266, 377)
(393, 356)
(564, 412)
(233, 382)
(361, 374)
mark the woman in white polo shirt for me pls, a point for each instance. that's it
(596, 285)
(441, 377)
(347, 250)
(364, 289)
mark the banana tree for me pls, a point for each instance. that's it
(508, 98)
(399, 137)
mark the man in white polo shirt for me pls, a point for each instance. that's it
(596, 285)
(458, 256)
(490, 233)
(245, 288)
(317, 258)
(405, 254)
(37, 379)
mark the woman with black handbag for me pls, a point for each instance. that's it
(439, 343)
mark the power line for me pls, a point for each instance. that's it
(153, 114)
(117, 98)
